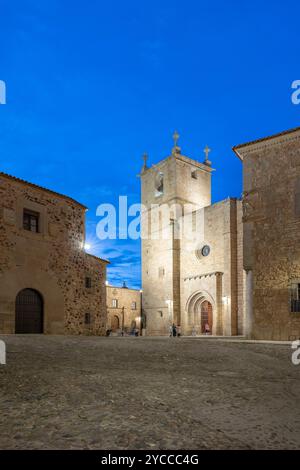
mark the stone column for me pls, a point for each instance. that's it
(175, 273)
(248, 320)
(219, 306)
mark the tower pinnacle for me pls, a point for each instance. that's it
(145, 158)
(176, 148)
(207, 151)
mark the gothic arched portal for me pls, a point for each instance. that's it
(199, 308)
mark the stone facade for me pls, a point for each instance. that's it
(271, 216)
(213, 277)
(123, 309)
(51, 261)
(178, 280)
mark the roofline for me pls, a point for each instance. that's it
(236, 148)
(178, 156)
(98, 259)
(36, 186)
(124, 288)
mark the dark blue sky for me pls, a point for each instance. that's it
(92, 85)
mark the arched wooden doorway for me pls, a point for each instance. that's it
(206, 317)
(29, 312)
(115, 323)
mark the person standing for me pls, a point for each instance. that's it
(207, 329)
(174, 330)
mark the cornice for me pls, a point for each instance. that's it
(267, 142)
(199, 276)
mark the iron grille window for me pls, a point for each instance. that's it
(88, 282)
(31, 221)
(87, 318)
(133, 306)
(295, 298)
(115, 303)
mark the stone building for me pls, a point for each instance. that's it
(192, 270)
(271, 216)
(48, 283)
(123, 309)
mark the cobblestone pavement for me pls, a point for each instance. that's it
(147, 393)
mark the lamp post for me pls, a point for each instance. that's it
(141, 314)
(123, 315)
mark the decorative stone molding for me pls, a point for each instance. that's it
(201, 276)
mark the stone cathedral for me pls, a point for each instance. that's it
(194, 279)
(238, 271)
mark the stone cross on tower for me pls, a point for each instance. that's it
(145, 158)
(207, 151)
(175, 138)
(176, 149)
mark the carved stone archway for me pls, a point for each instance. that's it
(200, 309)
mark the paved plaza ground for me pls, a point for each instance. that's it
(147, 393)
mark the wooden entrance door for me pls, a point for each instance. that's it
(206, 316)
(29, 312)
(115, 323)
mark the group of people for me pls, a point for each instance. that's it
(174, 331)
(133, 332)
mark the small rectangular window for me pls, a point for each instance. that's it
(295, 297)
(115, 303)
(31, 221)
(133, 306)
(87, 319)
(194, 175)
(88, 282)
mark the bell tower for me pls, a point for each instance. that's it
(176, 186)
